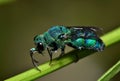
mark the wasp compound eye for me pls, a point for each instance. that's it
(40, 47)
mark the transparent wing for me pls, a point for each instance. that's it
(97, 30)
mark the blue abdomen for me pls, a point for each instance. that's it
(85, 38)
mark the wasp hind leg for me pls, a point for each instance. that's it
(62, 51)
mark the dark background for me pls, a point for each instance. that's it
(21, 20)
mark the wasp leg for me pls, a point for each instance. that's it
(62, 51)
(34, 61)
(50, 54)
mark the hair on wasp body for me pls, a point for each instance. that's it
(57, 37)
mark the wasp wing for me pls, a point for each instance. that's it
(96, 30)
(85, 32)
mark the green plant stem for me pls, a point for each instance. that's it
(111, 37)
(32, 74)
(111, 72)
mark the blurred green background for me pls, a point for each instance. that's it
(21, 20)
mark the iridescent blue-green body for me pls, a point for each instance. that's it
(86, 38)
(51, 40)
(58, 36)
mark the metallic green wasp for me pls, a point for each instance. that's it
(57, 37)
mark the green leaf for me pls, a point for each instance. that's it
(111, 72)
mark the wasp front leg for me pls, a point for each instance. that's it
(32, 51)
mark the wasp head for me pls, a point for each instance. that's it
(40, 43)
